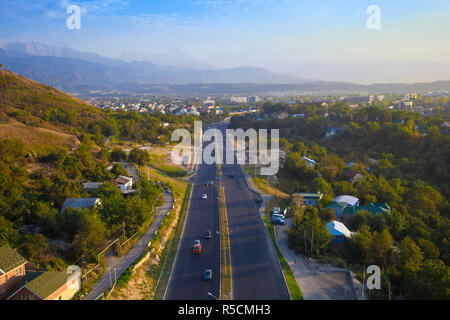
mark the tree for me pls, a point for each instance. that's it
(320, 185)
(431, 281)
(326, 215)
(117, 155)
(430, 251)
(91, 234)
(119, 170)
(410, 254)
(317, 235)
(138, 156)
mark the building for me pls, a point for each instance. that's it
(329, 132)
(340, 203)
(309, 162)
(310, 199)
(12, 270)
(91, 186)
(47, 285)
(405, 105)
(81, 203)
(238, 99)
(372, 208)
(339, 232)
(253, 99)
(19, 283)
(124, 183)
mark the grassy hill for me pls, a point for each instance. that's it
(41, 116)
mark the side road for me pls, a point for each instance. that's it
(120, 264)
(316, 283)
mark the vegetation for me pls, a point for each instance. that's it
(379, 155)
(291, 282)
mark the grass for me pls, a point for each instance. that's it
(292, 284)
(225, 280)
(179, 186)
(264, 185)
(158, 161)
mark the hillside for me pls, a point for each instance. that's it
(41, 116)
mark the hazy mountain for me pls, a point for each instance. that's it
(171, 58)
(66, 68)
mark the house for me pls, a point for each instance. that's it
(349, 200)
(47, 285)
(91, 186)
(310, 199)
(352, 176)
(124, 183)
(339, 232)
(12, 270)
(82, 203)
(373, 208)
(309, 162)
(332, 131)
(340, 203)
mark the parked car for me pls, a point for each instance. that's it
(208, 274)
(277, 220)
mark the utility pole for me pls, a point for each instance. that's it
(304, 236)
(363, 283)
(312, 240)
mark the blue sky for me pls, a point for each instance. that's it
(308, 38)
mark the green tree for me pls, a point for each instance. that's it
(410, 254)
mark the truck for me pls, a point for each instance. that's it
(197, 247)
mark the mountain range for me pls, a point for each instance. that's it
(68, 69)
(172, 72)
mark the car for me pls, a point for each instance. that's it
(231, 175)
(208, 234)
(278, 221)
(204, 196)
(208, 183)
(208, 274)
(197, 247)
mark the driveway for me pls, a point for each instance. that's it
(120, 264)
(316, 282)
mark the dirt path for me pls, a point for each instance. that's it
(120, 264)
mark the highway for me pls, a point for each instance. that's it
(256, 274)
(186, 279)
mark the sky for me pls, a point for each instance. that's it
(326, 39)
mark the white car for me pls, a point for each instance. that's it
(204, 196)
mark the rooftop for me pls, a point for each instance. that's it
(81, 203)
(44, 283)
(9, 259)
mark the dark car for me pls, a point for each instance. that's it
(208, 274)
(231, 175)
(208, 234)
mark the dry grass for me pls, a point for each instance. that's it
(38, 139)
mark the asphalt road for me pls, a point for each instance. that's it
(186, 280)
(256, 272)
